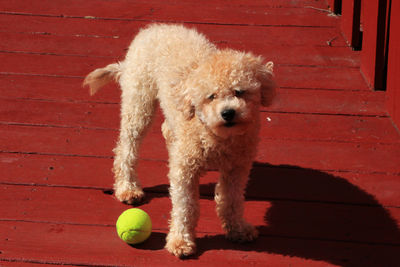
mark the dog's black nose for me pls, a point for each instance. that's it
(228, 114)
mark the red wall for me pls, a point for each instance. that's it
(393, 75)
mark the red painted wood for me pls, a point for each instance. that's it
(68, 141)
(393, 68)
(320, 78)
(213, 250)
(67, 114)
(106, 116)
(102, 6)
(335, 222)
(287, 100)
(330, 4)
(76, 4)
(312, 185)
(374, 40)
(350, 22)
(270, 13)
(298, 100)
(11, 263)
(54, 89)
(116, 47)
(78, 67)
(266, 182)
(329, 102)
(79, 27)
(328, 128)
(85, 142)
(332, 156)
(339, 185)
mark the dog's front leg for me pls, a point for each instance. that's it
(184, 191)
(229, 196)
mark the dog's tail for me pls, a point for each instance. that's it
(100, 77)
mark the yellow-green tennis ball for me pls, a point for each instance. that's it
(134, 226)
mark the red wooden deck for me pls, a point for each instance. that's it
(325, 190)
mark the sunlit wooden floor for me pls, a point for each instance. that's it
(324, 191)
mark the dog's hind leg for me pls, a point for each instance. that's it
(137, 108)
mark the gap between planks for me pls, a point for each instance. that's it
(20, 74)
(384, 143)
(203, 195)
(113, 58)
(167, 21)
(356, 171)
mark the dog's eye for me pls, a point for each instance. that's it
(211, 97)
(239, 92)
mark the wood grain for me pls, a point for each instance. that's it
(325, 187)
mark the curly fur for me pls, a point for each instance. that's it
(210, 99)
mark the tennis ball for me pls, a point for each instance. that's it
(134, 226)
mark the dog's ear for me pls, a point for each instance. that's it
(187, 109)
(184, 105)
(265, 74)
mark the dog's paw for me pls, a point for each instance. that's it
(180, 248)
(133, 196)
(243, 233)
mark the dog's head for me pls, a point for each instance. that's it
(226, 91)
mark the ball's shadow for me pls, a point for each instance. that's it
(155, 242)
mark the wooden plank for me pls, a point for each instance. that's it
(78, 67)
(320, 78)
(116, 47)
(287, 100)
(393, 68)
(67, 141)
(64, 45)
(76, 245)
(320, 221)
(322, 155)
(54, 88)
(374, 40)
(203, 14)
(286, 182)
(328, 128)
(74, 141)
(266, 182)
(332, 156)
(120, 6)
(63, 114)
(82, 27)
(65, 244)
(12, 263)
(329, 102)
(211, 12)
(274, 125)
(71, 171)
(75, 5)
(350, 22)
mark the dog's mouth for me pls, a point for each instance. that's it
(229, 124)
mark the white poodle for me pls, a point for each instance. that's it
(210, 99)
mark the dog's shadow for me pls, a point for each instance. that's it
(315, 215)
